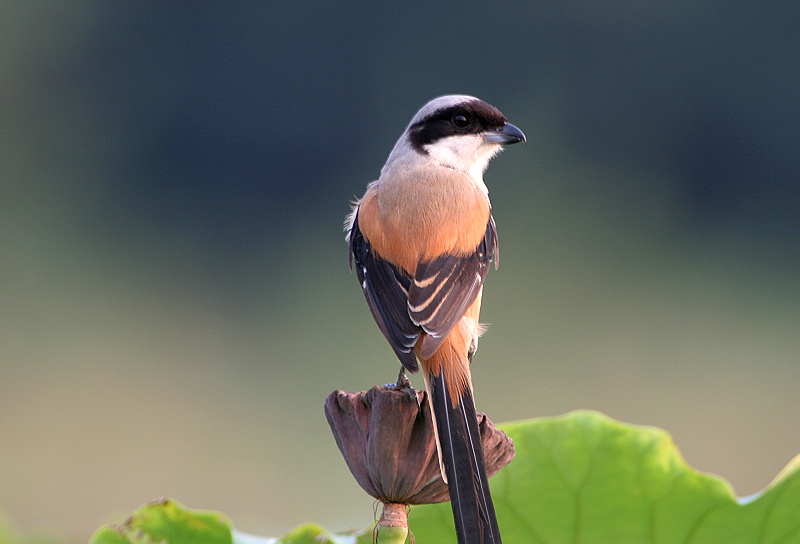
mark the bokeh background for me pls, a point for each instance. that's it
(175, 302)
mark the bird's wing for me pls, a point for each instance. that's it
(444, 288)
(386, 289)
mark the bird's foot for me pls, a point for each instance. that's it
(403, 384)
(402, 380)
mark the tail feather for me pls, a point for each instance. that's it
(462, 455)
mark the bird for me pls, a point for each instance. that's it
(421, 240)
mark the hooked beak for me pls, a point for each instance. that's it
(507, 134)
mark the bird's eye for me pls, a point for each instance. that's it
(460, 121)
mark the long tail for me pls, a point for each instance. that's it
(464, 464)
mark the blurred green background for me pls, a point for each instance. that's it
(175, 302)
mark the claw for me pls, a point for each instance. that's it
(402, 380)
(404, 384)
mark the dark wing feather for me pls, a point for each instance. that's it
(443, 289)
(386, 289)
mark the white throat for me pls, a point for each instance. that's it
(466, 153)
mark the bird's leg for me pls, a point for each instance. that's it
(402, 380)
(404, 384)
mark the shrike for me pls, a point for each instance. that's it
(422, 238)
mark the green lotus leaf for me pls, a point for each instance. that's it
(584, 477)
(578, 478)
(166, 520)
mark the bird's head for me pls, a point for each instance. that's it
(456, 131)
